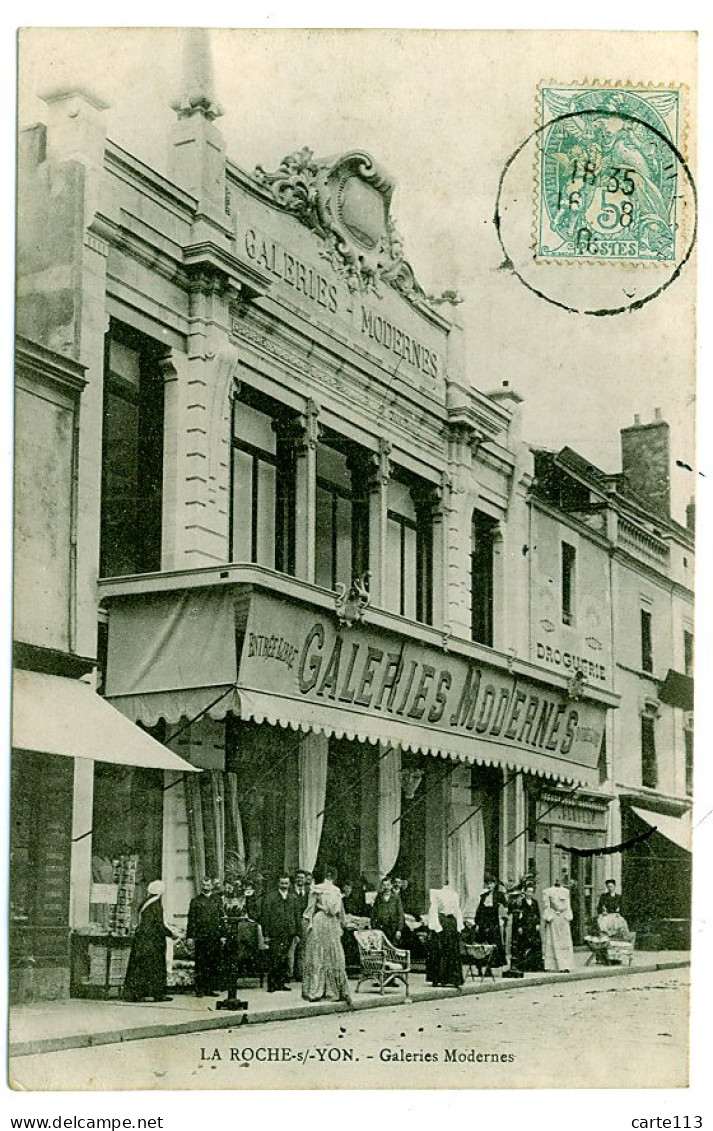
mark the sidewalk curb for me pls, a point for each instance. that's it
(294, 1013)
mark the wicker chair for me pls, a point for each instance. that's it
(381, 961)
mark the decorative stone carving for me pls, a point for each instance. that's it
(575, 686)
(351, 604)
(380, 465)
(347, 202)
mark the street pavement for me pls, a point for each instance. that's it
(627, 1030)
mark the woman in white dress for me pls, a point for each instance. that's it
(557, 938)
(324, 974)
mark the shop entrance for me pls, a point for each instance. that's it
(262, 761)
(411, 862)
(349, 767)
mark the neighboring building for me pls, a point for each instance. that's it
(63, 733)
(310, 556)
(617, 540)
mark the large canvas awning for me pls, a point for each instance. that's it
(173, 655)
(55, 715)
(211, 650)
(676, 829)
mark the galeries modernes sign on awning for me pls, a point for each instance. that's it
(391, 687)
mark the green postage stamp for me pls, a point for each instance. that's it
(608, 168)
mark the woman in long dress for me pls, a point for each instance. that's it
(445, 921)
(146, 971)
(324, 974)
(488, 929)
(557, 916)
(526, 954)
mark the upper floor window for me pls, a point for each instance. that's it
(342, 535)
(688, 653)
(483, 531)
(409, 550)
(568, 583)
(647, 651)
(649, 767)
(262, 512)
(688, 747)
(132, 454)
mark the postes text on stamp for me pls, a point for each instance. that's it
(608, 173)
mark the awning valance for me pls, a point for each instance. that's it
(675, 829)
(342, 723)
(56, 715)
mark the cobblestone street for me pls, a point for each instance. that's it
(620, 1032)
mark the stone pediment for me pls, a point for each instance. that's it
(346, 200)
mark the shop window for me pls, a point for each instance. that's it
(262, 511)
(568, 586)
(649, 768)
(132, 454)
(262, 775)
(603, 763)
(483, 532)
(688, 653)
(340, 843)
(127, 837)
(342, 533)
(688, 746)
(40, 846)
(647, 654)
(409, 551)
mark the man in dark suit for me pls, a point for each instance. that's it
(205, 927)
(300, 892)
(387, 913)
(280, 924)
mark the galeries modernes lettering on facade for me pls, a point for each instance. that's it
(305, 279)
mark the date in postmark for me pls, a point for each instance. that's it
(607, 184)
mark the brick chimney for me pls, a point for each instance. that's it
(645, 463)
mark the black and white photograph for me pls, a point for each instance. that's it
(354, 554)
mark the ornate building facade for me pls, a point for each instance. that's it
(310, 553)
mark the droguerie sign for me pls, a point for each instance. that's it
(294, 654)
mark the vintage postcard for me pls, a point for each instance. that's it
(353, 654)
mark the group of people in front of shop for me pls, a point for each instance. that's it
(296, 932)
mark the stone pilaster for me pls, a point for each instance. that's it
(306, 492)
(457, 520)
(378, 517)
(441, 510)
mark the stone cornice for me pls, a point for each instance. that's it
(474, 412)
(141, 248)
(165, 191)
(48, 365)
(206, 256)
(569, 520)
(319, 369)
(630, 561)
